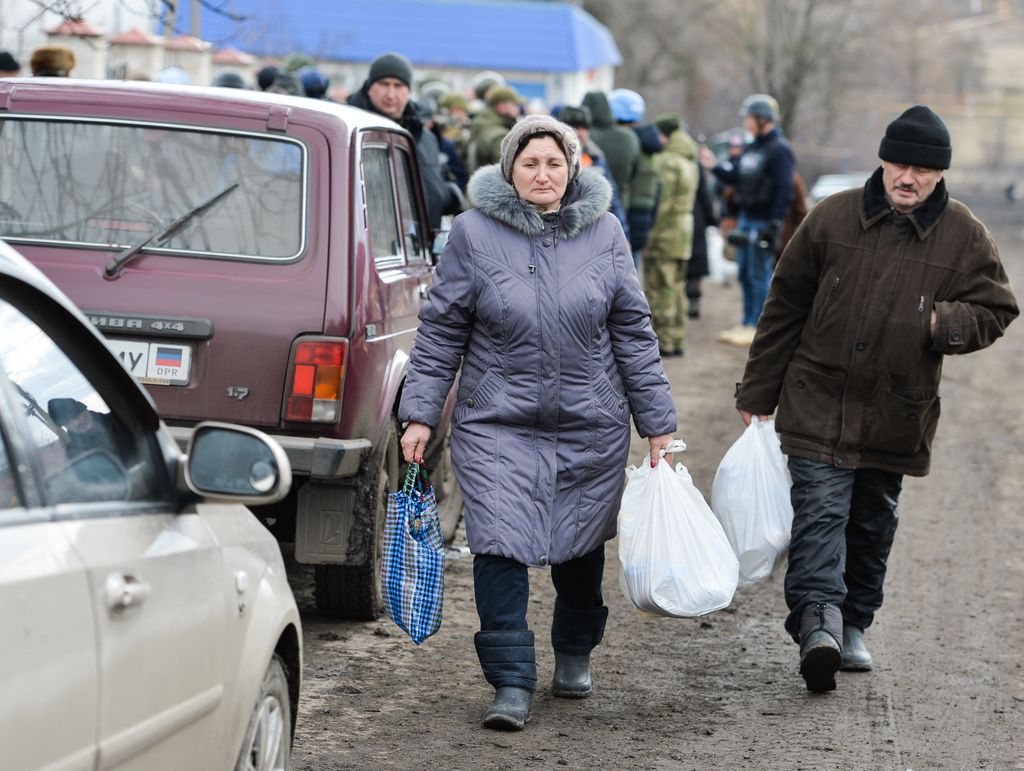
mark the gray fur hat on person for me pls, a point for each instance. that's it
(532, 125)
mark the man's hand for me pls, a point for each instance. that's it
(935, 323)
(707, 158)
(414, 442)
(749, 416)
(772, 236)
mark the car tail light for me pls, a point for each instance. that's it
(315, 381)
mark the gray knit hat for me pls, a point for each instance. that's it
(390, 65)
(521, 133)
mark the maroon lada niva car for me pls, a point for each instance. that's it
(252, 258)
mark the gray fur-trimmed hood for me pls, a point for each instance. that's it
(585, 201)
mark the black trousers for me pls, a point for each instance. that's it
(844, 523)
(504, 643)
(502, 589)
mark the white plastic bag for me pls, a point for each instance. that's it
(674, 558)
(751, 499)
(720, 270)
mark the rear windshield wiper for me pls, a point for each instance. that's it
(116, 263)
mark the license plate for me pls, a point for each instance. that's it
(155, 363)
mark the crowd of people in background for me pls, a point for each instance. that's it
(667, 188)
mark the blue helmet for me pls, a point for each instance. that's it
(627, 106)
(313, 82)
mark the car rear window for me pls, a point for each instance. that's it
(112, 184)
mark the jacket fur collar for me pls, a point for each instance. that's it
(875, 206)
(585, 201)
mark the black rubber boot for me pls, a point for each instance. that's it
(572, 676)
(511, 709)
(856, 657)
(821, 651)
(508, 658)
(574, 634)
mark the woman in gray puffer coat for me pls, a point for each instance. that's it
(537, 299)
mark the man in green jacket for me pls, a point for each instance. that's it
(875, 288)
(490, 126)
(620, 144)
(671, 237)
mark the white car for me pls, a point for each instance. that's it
(147, 619)
(827, 184)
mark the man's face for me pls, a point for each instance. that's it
(508, 109)
(907, 187)
(752, 126)
(80, 424)
(389, 96)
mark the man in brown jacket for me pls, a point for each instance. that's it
(875, 288)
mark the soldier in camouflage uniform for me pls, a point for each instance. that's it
(490, 126)
(671, 239)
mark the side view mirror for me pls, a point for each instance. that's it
(236, 463)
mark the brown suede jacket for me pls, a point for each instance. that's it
(844, 348)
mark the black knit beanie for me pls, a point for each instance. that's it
(917, 138)
(390, 66)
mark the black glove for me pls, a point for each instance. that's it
(771, 236)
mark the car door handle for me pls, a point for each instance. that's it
(424, 290)
(126, 591)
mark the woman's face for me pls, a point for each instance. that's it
(540, 173)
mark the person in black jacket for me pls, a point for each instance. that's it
(697, 267)
(763, 180)
(386, 92)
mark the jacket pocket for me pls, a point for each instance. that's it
(483, 396)
(903, 422)
(810, 402)
(609, 399)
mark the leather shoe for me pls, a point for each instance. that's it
(511, 709)
(820, 658)
(856, 657)
(572, 676)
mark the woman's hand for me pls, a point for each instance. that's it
(414, 441)
(658, 443)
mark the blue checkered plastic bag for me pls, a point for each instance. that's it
(412, 567)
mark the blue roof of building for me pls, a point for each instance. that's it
(473, 34)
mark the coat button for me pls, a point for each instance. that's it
(860, 345)
(543, 559)
(839, 461)
(955, 335)
(911, 416)
(469, 403)
(800, 384)
(546, 242)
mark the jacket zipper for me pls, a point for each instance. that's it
(827, 302)
(925, 321)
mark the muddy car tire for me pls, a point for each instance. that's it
(353, 591)
(268, 739)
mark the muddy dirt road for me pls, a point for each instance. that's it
(723, 692)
